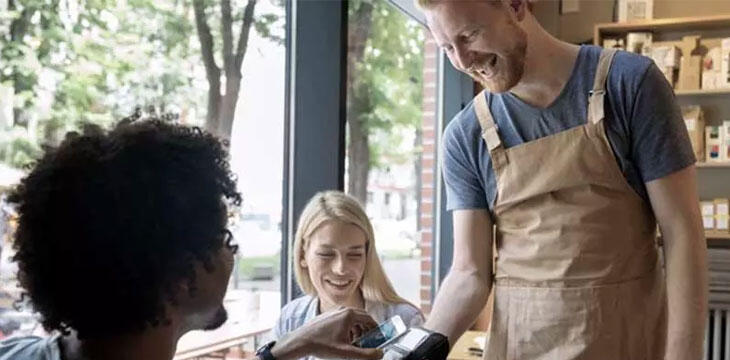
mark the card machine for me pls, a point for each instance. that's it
(418, 344)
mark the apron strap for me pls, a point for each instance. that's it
(490, 131)
(596, 100)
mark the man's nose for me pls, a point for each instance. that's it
(463, 58)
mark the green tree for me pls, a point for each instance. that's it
(384, 88)
(29, 36)
(96, 60)
(222, 106)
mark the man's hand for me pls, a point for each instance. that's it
(329, 335)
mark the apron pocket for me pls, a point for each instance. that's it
(556, 324)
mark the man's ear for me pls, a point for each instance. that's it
(519, 8)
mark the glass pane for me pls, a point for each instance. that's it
(77, 62)
(389, 96)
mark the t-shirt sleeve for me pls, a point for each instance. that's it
(660, 143)
(464, 189)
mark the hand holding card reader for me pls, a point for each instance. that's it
(398, 342)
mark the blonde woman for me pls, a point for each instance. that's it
(336, 265)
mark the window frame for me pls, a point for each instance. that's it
(315, 123)
(314, 126)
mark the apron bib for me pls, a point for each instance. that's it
(577, 271)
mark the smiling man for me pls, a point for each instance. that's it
(574, 153)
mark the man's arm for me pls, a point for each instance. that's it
(676, 207)
(465, 289)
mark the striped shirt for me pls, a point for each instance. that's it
(30, 348)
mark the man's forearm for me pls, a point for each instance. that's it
(685, 254)
(460, 299)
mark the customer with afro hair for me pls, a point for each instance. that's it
(122, 248)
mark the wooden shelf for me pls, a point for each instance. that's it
(717, 234)
(713, 165)
(702, 92)
(717, 22)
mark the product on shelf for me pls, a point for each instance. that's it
(632, 10)
(694, 119)
(713, 142)
(691, 64)
(725, 138)
(722, 214)
(712, 77)
(724, 80)
(708, 214)
(614, 44)
(639, 42)
(667, 59)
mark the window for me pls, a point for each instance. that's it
(73, 62)
(391, 96)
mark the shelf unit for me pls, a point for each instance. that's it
(718, 22)
(697, 24)
(702, 92)
(717, 235)
(711, 165)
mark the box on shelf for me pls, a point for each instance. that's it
(713, 141)
(632, 10)
(724, 79)
(639, 42)
(617, 43)
(725, 141)
(670, 74)
(712, 69)
(695, 121)
(691, 64)
(666, 56)
(667, 59)
(722, 214)
(707, 208)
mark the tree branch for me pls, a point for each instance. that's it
(227, 31)
(206, 43)
(212, 71)
(245, 30)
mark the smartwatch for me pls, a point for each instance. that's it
(264, 352)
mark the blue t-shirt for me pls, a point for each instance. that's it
(643, 122)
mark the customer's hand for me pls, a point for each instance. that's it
(329, 336)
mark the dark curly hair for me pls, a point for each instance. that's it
(110, 221)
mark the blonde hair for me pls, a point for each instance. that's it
(337, 206)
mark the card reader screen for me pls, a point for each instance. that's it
(377, 337)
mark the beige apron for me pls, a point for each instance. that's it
(577, 272)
